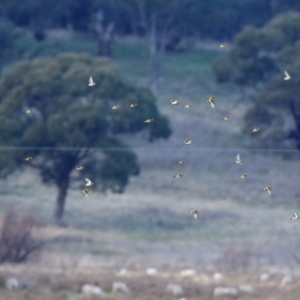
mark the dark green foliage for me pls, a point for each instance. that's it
(69, 114)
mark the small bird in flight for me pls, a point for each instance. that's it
(226, 118)
(115, 107)
(91, 81)
(188, 106)
(149, 121)
(267, 189)
(132, 105)
(238, 159)
(174, 102)
(222, 45)
(188, 142)
(29, 111)
(79, 168)
(85, 193)
(88, 182)
(286, 76)
(295, 217)
(194, 212)
(211, 100)
(244, 176)
(178, 176)
(255, 129)
(181, 162)
(29, 158)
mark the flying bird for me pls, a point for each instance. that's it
(211, 100)
(194, 213)
(267, 189)
(29, 158)
(174, 102)
(244, 176)
(255, 129)
(286, 76)
(88, 182)
(188, 106)
(132, 105)
(115, 107)
(295, 217)
(91, 81)
(149, 121)
(178, 176)
(226, 118)
(79, 168)
(29, 111)
(238, 159)
(85, 193)
(181, 162)
(188, 142)
(222, 45)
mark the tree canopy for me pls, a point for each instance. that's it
(70, 120)
(258, 58)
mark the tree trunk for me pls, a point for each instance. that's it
(104, 35)
(155, 63)
(60, 202)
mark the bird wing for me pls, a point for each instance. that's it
(87, 181)
(212, 105)
(238, 157)
(286, 73)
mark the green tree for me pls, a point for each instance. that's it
(70, 115)
(258, 59)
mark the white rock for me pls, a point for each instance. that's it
(174, 289)
(120, 287)
(264, 277)
(123, 272)
(151, 271)
(246, 288)
(12, 284)
(89, 290)
(225, 291)
(287, 279)
(218, 276)
(188, 273)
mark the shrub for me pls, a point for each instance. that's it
(16, 240)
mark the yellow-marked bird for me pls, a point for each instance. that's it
(267, 189)
(238, 160)
(211, 100)
(85, 193)
(295, 216)
(223, 45)
(188, 142)
(255, 129)
(178, 175)
(115, 107)
(29, 158)
(132, 105)
(79, 168)
(244, 176)
(29, 111)
(226, 118)
(194, 212)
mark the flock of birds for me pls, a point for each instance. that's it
(211, 101)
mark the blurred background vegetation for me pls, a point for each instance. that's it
(148, 53)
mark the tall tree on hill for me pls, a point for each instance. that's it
(70, 120)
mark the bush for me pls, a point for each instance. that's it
(16, 240)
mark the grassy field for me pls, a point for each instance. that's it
(150, 225)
